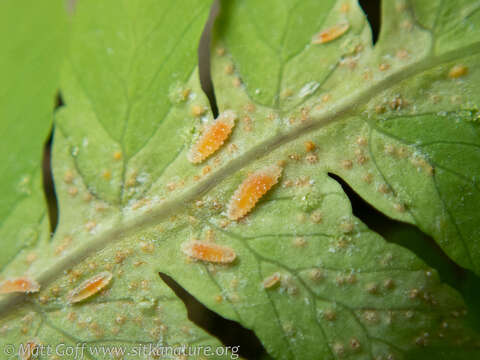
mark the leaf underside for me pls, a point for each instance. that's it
(397, 121)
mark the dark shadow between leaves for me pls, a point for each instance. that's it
(204, 67)
(372, 8)
(412, 238)
(229, 332)
(48, 187)
(47, 175)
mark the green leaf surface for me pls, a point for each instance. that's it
(29, 73)
(390, 119)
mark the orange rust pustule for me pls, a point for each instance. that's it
(251, 190)
(89, 287)
(29, 351)
(272, 280)
(330, 34)
(213, 137)
(207, 251)
(21, 285)
(457, 71)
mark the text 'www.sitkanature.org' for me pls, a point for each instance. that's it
(82, 351)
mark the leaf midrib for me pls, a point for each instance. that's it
(319, 119)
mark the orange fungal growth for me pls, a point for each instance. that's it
(21, 285)
(208, 251)
(89, 287)
(272, 280)
(213, 137)
(310, 146)
(330, 34)
(28, 351)
(457, 71)
(251, 190)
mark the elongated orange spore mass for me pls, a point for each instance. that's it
(330, 34)
(207, 251)
(89, 287)
(28, 351)
(213, 137)
(251, 190)
(272, 280)
(22, 285)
